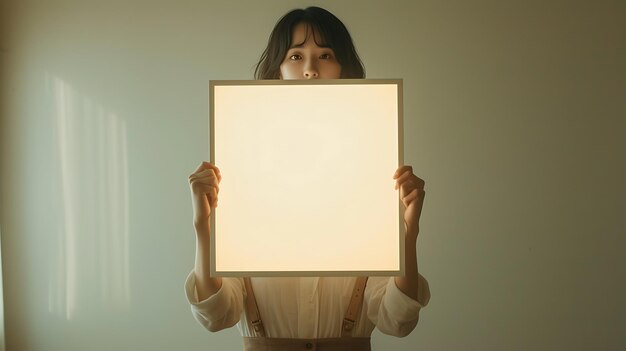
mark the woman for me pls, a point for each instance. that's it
(326, 313)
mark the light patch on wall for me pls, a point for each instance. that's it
(92, 245)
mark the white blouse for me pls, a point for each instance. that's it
(311, 307)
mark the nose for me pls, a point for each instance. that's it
(311, 70)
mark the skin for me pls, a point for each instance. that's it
(304, 60)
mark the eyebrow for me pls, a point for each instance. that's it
(301, 45)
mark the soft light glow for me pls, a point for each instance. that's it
(90, 261)
(307, 172)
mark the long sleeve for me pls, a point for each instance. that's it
(310, 307)
(390, 309)
(221, 310)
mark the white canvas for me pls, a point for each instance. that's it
(307, 184)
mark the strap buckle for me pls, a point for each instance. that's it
(257, 326)
(348, 324)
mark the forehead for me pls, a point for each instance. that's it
(303, 32)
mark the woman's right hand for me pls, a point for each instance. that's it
(204, 184)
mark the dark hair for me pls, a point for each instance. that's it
(333, 32)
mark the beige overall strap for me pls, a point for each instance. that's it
(252, 310)
(356, 303)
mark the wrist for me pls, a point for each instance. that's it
(202, 228)
(412, 232)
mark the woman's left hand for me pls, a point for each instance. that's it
(412, 196)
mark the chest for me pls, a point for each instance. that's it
(308, 295)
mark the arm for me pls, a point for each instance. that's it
(216, 303)
(412, 196)
(393, 305)
(204, 184)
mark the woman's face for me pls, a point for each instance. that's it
(306, 60)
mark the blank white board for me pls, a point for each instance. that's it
(307, 187)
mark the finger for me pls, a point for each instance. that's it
(202, 166)
(410, 197)
(410, 180)
(415, 195)
(206, 166)
(205, 175)
(403, 178)
(205, 186)
(401, 170)
(199, 187)
(217, 171)
(212, 197)
(206, 178)
(411, 184)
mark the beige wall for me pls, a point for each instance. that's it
(514, 116)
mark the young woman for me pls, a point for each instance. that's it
(325, 313)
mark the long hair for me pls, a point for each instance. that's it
(333, 32)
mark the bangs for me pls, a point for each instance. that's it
(317, 30)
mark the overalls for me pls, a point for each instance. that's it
(260, 342)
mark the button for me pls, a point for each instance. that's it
(309, 345)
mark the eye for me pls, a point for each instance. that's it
(295, 57)
(326, 56)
